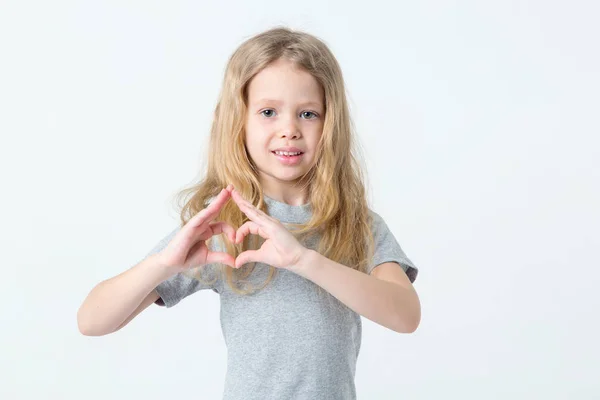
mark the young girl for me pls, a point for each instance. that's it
(280, 228)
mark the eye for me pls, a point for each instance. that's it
(309, 115)
(268, 112)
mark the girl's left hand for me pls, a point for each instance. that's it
(280, 249)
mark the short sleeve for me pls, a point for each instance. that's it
(181, 285)
(387, 248)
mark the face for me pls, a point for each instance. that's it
(284, 123)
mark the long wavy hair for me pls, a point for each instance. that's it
(336, 182)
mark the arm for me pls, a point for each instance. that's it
(113, 303)
(386, 297)
(150, 299)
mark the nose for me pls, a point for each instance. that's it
(290, 129)
(290, 134)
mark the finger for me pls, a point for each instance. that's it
(248, 228)
(211, 211)
(247, 256)
(237, 197)
(253, 207)
(252, 212)
(214, 257)
(223, 227)
(219, 201)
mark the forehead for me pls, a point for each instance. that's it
(284, 82)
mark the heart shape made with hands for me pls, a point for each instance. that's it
(280, 248)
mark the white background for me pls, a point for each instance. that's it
(479, 122)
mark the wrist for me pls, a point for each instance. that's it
(308, 260)
(156, 269)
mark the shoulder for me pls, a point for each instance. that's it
(374, 216)
(377, 222)
(387, 248)
(379, 227)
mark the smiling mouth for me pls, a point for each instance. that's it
(287, 153)
(289, 158)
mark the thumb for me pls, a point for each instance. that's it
(220, 257)
(247, 256)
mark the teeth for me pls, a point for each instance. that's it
(287, 153)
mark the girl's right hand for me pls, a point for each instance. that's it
(188, 248)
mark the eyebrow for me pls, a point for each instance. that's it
(278, 102)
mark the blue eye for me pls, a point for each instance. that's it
(314, 115)
(268, 110)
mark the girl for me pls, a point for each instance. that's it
(280, 228)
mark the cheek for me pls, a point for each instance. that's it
(250, 134)
(315, 136)
(256, 135)
(254, 142)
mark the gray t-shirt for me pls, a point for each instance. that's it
(288, 340)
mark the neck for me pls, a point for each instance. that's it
(292, 193)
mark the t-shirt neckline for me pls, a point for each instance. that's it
(286, 212)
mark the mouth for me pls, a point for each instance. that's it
(288, 157)
(287, 153)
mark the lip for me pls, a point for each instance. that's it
(288, 149)
(289, 160)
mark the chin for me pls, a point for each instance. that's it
(289, 177)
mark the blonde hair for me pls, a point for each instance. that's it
(340, 213)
